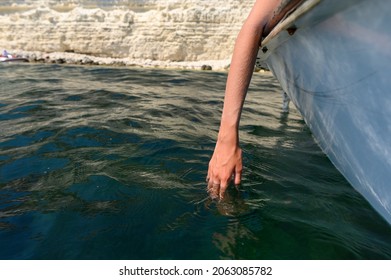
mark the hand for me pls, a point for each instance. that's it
(225, 165)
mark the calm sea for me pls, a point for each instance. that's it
(110, 163)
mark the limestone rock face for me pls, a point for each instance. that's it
(172, 30)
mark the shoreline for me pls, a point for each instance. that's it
(73, 58)
(89, 59)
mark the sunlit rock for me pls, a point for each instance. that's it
(169, 30)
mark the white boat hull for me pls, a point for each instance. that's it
(335, 65)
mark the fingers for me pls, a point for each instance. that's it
(216, 187)
(238, 170)
(213, 184)
(223, 188)
(238, 175)
(213, 189)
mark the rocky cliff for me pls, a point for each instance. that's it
(169, 30)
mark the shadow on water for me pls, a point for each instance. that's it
(110, 163)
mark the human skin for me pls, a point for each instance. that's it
(226, 162)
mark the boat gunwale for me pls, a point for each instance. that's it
(290, 13)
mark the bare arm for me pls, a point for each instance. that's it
(226, 161)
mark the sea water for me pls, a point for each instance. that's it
(110, 163)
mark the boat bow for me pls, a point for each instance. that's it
(333, 60)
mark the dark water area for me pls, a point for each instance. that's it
(110, 163)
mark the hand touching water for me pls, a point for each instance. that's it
(224, 166)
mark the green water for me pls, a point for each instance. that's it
(110, 163)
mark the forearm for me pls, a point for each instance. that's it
(238, 81)
(242, 66)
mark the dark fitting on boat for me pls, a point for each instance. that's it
(291, 30)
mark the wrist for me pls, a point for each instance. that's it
(228, 136)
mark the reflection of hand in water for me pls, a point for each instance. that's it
(232, 204)
(229, 238)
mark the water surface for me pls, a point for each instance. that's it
(110, 163)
